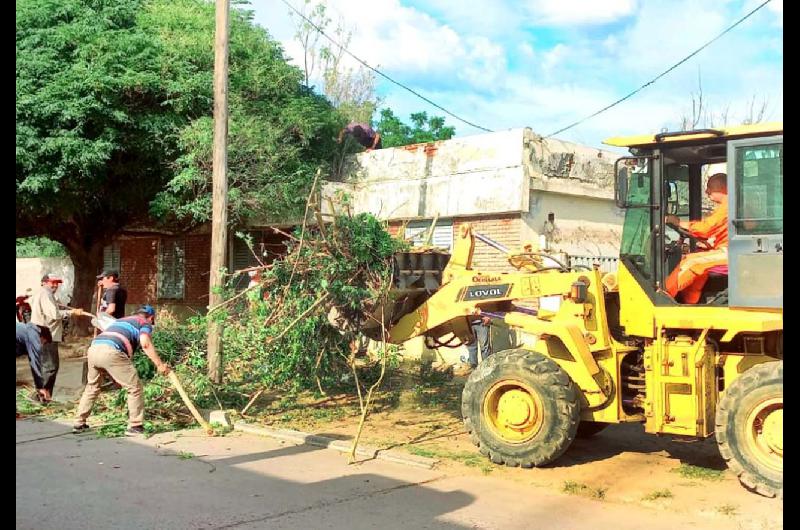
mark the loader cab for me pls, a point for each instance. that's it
(666, 175)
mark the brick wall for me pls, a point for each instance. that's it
(138, 267)
(505, 230)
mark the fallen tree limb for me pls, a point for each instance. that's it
(366, 404)
(173, 378)
(301, 317)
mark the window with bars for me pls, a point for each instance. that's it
(442, 233)
(171, 269)
(111, 257)
(267, 246)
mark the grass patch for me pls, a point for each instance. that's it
(328, 414)
(435, 395)
(727, 509)
(658, 494)
(577, 488)
(185, 455)
(697, 472)
(468, 459)
(25, 405)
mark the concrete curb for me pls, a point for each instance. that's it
(339, 445)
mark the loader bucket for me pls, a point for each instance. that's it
(417, 275)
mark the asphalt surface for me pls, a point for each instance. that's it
(186, 480)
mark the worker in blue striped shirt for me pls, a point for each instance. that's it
(111, 353)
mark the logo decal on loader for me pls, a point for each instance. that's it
(485, 292)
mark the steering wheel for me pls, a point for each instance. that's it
(688, 235)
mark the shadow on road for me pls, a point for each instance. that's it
(68, 481)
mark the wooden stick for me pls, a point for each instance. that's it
(246, 407)
(366, 404)
(99, 295)
(173, 378)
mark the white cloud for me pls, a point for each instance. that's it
(526, 50)
(776, 6)
(514, 76)
(405, 42)
(578, 12)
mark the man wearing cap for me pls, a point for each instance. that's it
(114, 296)
(47, 311)
(111, 353)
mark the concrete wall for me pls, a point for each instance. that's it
(475, 175)
(549, 159)
(29, 272)
(584, 225)
(494, 176)
(576, 184)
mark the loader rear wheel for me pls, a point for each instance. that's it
(520, 408)
(749, 427)
(587, 429)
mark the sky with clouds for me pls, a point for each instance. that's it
(545, 64)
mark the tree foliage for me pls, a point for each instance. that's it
(113, 121)
(39, 247)
(395, 133)
(348, 265)
(280, 132)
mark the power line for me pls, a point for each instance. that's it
(401, 85)
(665, 72)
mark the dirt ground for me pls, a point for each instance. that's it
(621, 464)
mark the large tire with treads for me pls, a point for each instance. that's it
(749, 428)
(495, 400)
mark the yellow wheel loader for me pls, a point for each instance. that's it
(612, 348)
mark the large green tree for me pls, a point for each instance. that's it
(113, 121)
(395, 133)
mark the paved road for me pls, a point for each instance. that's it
(241, 481)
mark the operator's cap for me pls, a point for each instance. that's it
(49, 277)
(108, 272)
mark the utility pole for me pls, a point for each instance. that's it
(219, 215)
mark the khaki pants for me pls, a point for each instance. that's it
(105, 359)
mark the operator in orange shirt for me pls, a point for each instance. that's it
(690, 276)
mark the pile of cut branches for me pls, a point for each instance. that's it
(297, 326)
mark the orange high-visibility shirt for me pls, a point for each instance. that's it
(713, 227)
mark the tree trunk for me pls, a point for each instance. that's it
(88, 262)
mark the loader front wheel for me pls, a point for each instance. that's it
(749, 428)
(520, 408)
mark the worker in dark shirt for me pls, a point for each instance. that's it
(363, 134)
(114, 295)
(30, 340)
